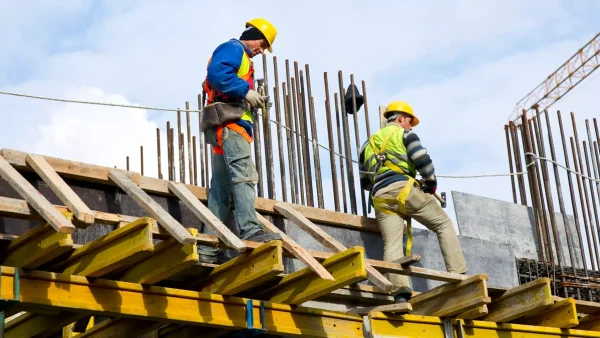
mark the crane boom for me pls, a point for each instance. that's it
(560, 82)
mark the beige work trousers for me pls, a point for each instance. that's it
(425, 209)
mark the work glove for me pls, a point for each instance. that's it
(429, 187)
(255, 99)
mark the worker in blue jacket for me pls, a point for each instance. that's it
(230, 78)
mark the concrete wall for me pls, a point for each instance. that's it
(508, 223)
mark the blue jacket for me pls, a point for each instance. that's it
(223, 67)
(222, 73)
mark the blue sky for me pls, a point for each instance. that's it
(462, 65)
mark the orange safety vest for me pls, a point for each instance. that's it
(246, 73)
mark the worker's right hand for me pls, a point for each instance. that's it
(255, 99)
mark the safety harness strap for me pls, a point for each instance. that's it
(235, 127)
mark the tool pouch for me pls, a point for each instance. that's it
(219, 113)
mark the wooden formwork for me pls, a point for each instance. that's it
(135, 274)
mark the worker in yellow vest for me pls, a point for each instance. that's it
(227, 123)
(389, 162)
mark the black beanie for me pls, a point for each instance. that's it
(252, 33)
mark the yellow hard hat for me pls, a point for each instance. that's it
(400, 107)
(265, 27)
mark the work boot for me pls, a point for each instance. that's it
(403, 296)
(263, 237)
(219, 258)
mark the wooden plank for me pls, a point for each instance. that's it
(88, 172)
(35, 198)
(154, 209)
(295, 249)
(589, 322)
(347, 267)
(112, 251)
(452, 299)
(408, 260)
(168, 258)
(390, 308)
(477, 312)
(207, 217)
(81, 211)
(67, 168)
(121, 327)
(20, 209)
(39, 325)
(527, 299)
(247, 270)
(329, 242)
(562, 315)
(37, 246)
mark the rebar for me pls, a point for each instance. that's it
(266, 115)
(160, 175)
(585, 190)
(336, 197)
(517, 153)
(279, 136)
(142, 160)
(584, 212)
(291, 144)
(348, 152)
(572, 193)
(364, 88)
(173, 174)
(189, 141)
(549, 201)
(594, 162)
(591, 183)
(561, 203)
(182, 157)
(181, 149)
(257, 153)
(510, 165)
(127, 162)
(298, 133)
(295, 169)
(315, 140)
(357, 137)
(201, 141)
(310, 197)
(527, 146)
(169, 163)
(337, 121)
(195, 161)
(546, 228)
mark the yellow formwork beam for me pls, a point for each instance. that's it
(38, 246)
(60, 292)
(39, 325)
(120, 327)
(347, 267)
(112, 251)
(524, 300)
(247, 270)
(452, 299)
(382, 325)
(562, 314)
(590, 322)
(168, 258)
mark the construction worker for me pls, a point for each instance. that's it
(230, 83)
(389, 162)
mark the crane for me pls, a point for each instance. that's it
(562, 80)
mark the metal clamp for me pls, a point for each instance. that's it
(7, 304)
(250, 331)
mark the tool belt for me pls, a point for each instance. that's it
(400, 200)
(219, 113)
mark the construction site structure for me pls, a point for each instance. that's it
(103, 252)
